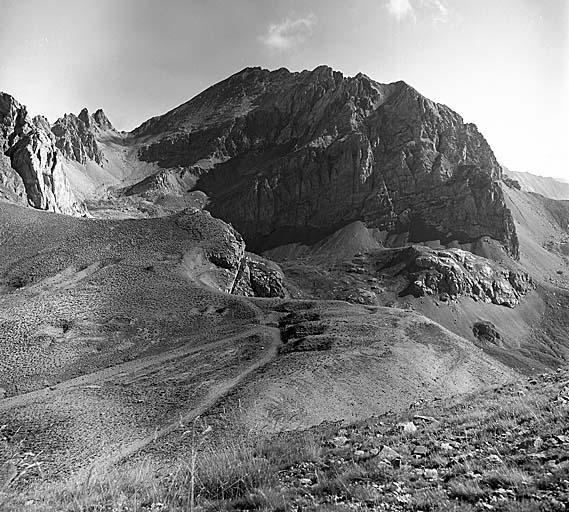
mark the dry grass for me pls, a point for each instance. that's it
(467, 490)
(507, 476)
(486, 465)
(239, 475)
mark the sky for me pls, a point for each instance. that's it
(501, 64)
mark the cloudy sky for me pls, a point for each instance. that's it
(502, 64)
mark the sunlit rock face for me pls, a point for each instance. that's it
(33, 156)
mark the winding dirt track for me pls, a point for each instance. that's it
(212, 397)
(123, 369)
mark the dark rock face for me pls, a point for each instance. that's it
(11, 184)
(30, 146)
(294, 156)
(75, 135)
(453, 273)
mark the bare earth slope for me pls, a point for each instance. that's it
(79, 293)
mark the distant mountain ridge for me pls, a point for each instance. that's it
(291, 157)
(547, 186)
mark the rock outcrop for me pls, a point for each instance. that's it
(289, 157)
(218, 259)
(75, 140)
(218, 250)
(259, 277)
(34, 157)
(486, 331)
(449, 274)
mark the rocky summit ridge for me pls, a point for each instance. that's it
(284, 156)
(294, 156)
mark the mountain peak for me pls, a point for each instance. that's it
(75, 135)
(102, 120)
(85, 117)
(349, 149)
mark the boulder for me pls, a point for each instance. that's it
(487, 332)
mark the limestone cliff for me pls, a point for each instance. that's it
(453, 273)
(294, 156)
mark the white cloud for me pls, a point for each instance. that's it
(288, 33)
(436, 10)
(439, 11)
(401, 9)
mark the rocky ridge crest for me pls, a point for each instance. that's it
(75, 135)
(287, 157)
